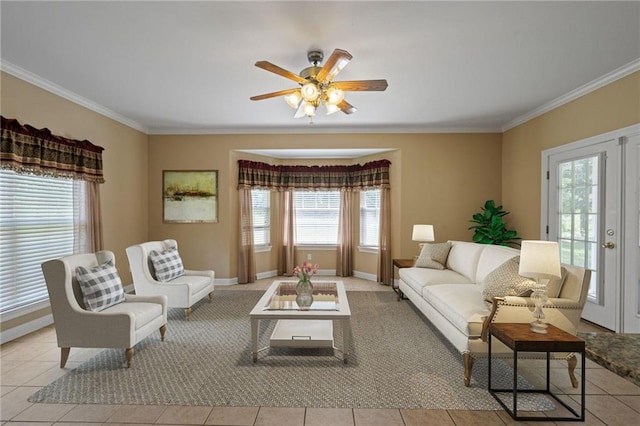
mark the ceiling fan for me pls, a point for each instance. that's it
(317, 86)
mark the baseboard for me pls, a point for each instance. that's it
(225, 281)
(267, 274)
(365, 276)
(26, 328)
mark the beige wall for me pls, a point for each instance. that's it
(436, 178)
(612, 107)
(124, 194)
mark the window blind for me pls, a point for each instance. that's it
(317, 215)
(36, 224)
(369, 217)
(261, 209)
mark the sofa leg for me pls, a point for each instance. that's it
(572, 362)
(187, 313)
(64, 356)
(210, 296)
(129, 354)
(467, 360)
(163, 330)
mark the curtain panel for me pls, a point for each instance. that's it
(26, 149)
(356, 177)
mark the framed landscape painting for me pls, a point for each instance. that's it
(190, 196)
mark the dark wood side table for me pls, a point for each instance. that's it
(520, 338)
(401, 263)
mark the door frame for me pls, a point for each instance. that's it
(619, 135)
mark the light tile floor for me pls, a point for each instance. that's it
(31, 362)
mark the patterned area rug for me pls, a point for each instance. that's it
(398, 360)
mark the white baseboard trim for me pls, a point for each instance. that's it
(365, 276)
(26, 328)
(267, 274)
(329, 272)
(225, 281)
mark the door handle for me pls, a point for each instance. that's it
(608, 245)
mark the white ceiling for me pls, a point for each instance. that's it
(188, 67)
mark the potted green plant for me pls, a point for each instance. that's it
(491, 228)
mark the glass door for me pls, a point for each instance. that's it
(583, 218)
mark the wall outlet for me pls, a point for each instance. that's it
(308, 256)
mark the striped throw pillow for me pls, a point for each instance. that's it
(167, 264)
(101, 286)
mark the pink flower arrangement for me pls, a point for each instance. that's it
(305, 270)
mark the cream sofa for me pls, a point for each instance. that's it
(452, 300)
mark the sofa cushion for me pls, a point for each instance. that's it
(461, 304)
(167, 264)
(417, 278)
(100, 285)
(198, 282)
(506, 281)
(463, 258)
(144, 312)
(433, 256)
(493, 256)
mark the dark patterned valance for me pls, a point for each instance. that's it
(26, 149)
(374, 174)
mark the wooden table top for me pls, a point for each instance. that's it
(403, 263)
(519, 337)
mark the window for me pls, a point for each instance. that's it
(369, 218)
(317, 216)
(36, 224)
(261, 208)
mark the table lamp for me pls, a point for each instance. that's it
(422, 234)
(539, 260)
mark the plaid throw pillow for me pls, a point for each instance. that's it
(101, 286)
(167, 264)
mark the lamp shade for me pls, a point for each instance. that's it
(422, 233)
(539, 259)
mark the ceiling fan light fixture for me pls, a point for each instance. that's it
(334, 95)
(310, 92)
(309, 109)
(331, 108)
(293, 100)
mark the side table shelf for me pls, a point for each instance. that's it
(520, 338)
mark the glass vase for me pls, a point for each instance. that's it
(304, 292)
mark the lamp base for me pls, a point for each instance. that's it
(539, 327)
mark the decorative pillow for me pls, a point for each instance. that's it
(505, 281)
(167, 264)
(101, 286)
(433, 256)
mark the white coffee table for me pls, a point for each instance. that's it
(310, 328)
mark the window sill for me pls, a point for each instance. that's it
(368, 249)
(317, 246)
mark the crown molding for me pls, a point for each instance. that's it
(596, 84)
(319, 129)
(49, 86)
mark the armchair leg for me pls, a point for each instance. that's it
(210, 296)
(572, 362)
(163, 330)
(187, 313)
(64, 356)
(129, 354)
(467, 360)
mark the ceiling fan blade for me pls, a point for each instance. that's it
(273, 94)
(268, 66)
(361, 85)
(338, 60)
(346, 107)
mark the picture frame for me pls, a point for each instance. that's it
(190, 196)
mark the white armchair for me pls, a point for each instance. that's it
(120, 326)
(181, 292)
